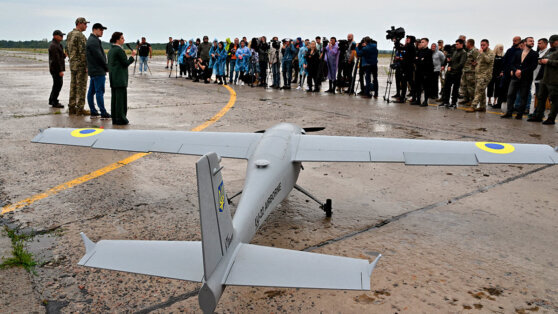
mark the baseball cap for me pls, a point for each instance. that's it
(553, 38)
(98, 26)
(58, 32)
(80, 20)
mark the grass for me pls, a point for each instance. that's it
(20, 256)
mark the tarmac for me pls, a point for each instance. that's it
(453, 239)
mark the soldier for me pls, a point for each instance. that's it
(468, 80)
(75, 47)
(483, 75)
(56, 66)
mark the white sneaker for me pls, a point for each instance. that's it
(242, 83)
(299, 88)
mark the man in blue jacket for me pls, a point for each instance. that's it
(97, 69)
(289, 52)
(368, 53)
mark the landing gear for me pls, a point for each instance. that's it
(326, 207)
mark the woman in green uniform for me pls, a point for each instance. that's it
(118, 76)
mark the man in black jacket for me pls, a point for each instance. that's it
(56, 67)
(423, 74)
(263, 50)
(505, 74)
(521, 70)
(97, 69)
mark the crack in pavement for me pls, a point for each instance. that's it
(169, 302)
(423, 209)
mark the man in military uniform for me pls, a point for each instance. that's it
(56, 67)
(483, 75)
(75, 46)
(468, 81)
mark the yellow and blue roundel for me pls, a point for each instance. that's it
(86, 132)
(496, 148)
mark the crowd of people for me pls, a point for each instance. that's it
(445, 73)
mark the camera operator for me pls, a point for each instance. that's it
(202, 69)
(407, 64)
(273, 57)
(263, 50)
(367, 50)
(423, 74)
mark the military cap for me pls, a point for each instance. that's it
(58, 32)
(553, 38)
(80, 20)
(98, 26)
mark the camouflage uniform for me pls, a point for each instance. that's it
(483, 76)
(468, 80)
(75, 48)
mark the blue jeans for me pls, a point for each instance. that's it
(287, 72)
(97, 88)
(275, 71)
(231, 67)
(143, 61)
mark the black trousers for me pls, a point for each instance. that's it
(452, 80)
(422, 84)
(182, 68)
(406, 78)
(545, 92)
(313, 80)
(57, 82)
(523, 86)
(263, 72)
(504, 85)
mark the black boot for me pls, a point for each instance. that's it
(333, 87)
(329, 90)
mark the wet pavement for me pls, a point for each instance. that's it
(453, 238)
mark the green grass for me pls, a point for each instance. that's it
(20, 256)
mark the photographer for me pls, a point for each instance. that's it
(263, 50)
(273, 57)
(287, 62)
(407, 67)
(367, 50)
(203, 70)
(191, 54)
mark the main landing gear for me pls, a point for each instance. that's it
(326, 207)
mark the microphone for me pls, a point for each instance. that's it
(128, 45)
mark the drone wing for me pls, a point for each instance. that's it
(420, 152)
(230, 145)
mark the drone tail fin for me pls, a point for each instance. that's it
(215, 216)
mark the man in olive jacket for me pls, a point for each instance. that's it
(118, 77)
(453, 75)
(97, 69)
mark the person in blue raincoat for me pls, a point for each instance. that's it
(220, 62)
(181, 62)
(301, 62)
(191, 54)
(242, 61)
(332, 60)
(212, 51)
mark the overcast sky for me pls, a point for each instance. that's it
(496, 20)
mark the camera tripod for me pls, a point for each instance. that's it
(354, 82)
(389, 81)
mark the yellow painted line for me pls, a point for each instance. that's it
(111, 167)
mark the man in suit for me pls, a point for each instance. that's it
(524, 64)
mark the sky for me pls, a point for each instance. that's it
(495, 20)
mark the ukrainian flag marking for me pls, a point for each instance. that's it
(86, 132)
(496, 148)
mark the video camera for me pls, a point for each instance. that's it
(175, 44)
(395, 34)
